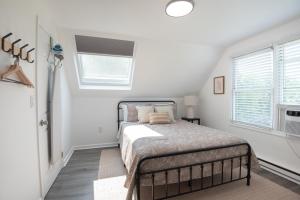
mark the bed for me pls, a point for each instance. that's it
(179, 152)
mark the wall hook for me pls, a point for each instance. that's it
(3, 42)
(13, 47)
(14, 50)
(27, 58)
(21, 51)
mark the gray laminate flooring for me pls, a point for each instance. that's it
(75, 181)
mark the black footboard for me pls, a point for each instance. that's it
(247, 155)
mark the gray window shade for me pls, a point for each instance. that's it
(253, 89)
(106, 46)
(289, 72)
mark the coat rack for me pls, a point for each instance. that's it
(10, 47)
(17, 53)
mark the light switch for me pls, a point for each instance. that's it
(32, 101)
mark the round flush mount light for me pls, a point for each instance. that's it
(179, 8)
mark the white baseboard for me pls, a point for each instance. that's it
(53, 173)
(94, 146)
(285, 174)
(90, 146)
(68, 156)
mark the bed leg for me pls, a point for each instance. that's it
(138, 192)
(249, 154)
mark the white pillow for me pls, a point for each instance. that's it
(167, 109)
(143, 113)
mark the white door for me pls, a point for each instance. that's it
(48, 168)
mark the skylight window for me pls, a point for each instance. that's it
(104, 63)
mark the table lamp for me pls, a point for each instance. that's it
(190, 102)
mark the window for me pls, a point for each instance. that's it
(289, 73)
(253, 89)
(104, 63)
(105, 70)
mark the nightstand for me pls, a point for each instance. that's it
(191, 119)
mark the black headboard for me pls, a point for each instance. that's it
(141, 101)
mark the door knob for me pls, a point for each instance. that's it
(43, 122)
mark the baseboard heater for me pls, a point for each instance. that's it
(282, 168)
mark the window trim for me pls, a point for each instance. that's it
(280, 76)
(273, 108)
(276, 88)
(268, 131)
(95, 54)
(103, 86)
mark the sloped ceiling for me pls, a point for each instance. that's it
(174, 55)
(161, 68)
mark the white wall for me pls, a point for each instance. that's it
(90, 113)
(215, 110)
(19, 170)
(162, 68)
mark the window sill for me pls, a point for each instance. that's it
(97, 87)
(267, 131)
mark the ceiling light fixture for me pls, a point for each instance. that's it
(179, 8)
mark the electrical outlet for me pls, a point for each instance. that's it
(100, 129)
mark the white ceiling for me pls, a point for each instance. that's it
(213, 22)
(174, 55)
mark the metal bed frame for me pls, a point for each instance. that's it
(191, 167)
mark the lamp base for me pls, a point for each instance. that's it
(190, 112)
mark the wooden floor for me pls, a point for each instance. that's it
(75, 181)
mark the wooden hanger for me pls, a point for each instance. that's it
(16, 69)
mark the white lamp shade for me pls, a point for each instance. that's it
(191, 100)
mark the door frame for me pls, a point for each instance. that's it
(45, 180)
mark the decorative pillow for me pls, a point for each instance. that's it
(159, 118)
(143, 113)
(168, 109)
(130, 113)
(174, 106)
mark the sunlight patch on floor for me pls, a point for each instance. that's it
(110, 188)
